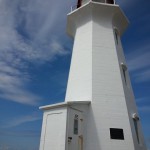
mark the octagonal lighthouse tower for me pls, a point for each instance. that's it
(99, 112)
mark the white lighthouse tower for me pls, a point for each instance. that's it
(99, 112)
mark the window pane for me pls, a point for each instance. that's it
(110, 1)
(136, 130)
(116, 134)
(76, 124)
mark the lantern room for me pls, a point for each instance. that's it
(82, 2)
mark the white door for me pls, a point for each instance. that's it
(55, 131)
(75, 135)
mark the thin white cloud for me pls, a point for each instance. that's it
(139, 63)
(21, 120)
(126, 3)
(139, 59)
(27, 30)
(145, 109)
(12, 85)
(142, 99)
(20, 133)
(143, 104)
(142, 76)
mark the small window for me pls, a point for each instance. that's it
(116, 37)
(136, 126)
(79, 3)
(76, 124)
(110, 1)
(116, 134)
(124, 69)
(124, 74)
(136, 130)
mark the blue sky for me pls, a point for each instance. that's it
(35, 55)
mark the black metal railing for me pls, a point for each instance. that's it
(99, 1)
